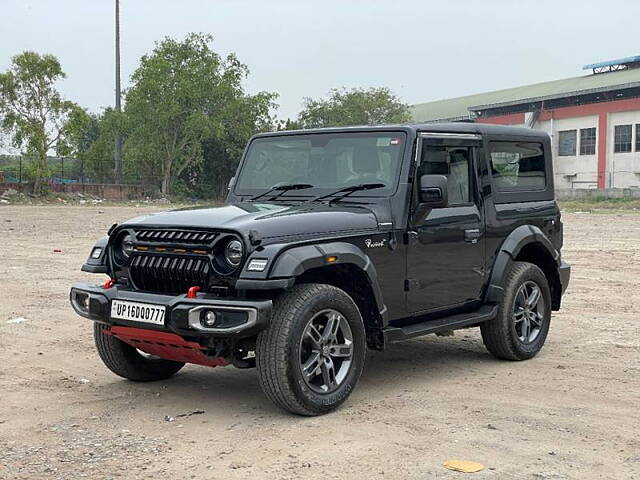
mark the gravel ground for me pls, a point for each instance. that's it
(572, 412)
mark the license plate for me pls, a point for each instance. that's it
(138, 312)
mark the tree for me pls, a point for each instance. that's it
(373, 106)
(288, 124)
(89, 138)
(34, 115)
(249, 115)
(184, 95)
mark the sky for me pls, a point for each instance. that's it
(421, 49)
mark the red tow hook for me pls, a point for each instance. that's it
(191, 293)
(108, 284)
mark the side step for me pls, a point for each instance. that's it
(483, 314)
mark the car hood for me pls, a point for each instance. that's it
(268, 219)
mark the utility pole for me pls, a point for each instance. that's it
(118, 149)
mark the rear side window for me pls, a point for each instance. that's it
(518, 166)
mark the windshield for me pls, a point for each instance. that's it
(328, 161)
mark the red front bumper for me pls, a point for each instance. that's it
(165, 345)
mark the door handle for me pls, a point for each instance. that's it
(472, 235)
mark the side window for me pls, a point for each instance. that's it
(567, 142)
(622, 138)
(518, 166)
(452, 162)
(588, 141)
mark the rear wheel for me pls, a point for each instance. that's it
(129, 362)
(311, 356)
(520, 329)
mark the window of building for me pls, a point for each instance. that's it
(518, 166)
(567, 143)
(587, 141)
(637, 137)
(452, 162)
(622, 138)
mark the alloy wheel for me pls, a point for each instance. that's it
(529, 312)
(326, 351)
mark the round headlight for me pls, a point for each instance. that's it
(126, 245)
(233, 253)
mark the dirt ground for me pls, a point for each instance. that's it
(571, 412)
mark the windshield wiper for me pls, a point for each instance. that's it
(348, 191)
(281, 188)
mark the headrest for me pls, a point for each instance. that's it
(365, 160)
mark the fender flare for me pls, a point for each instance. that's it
(293, 262)
(100, 264)
(522, 236)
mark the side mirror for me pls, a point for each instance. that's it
(432, 191)
(232, 180)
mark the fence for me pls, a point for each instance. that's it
(65, 175)
(16, 168)
(72, 175)
(114, 192)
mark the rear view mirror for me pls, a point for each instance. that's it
(433, 191)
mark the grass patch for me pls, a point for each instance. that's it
(602, 204)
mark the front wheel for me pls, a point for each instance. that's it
(520, 329)
(311, 356)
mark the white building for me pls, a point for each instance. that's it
(593, 120)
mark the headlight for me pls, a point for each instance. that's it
(233, 253)
(126, 245)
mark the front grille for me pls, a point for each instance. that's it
(192, 237)
(169, 273)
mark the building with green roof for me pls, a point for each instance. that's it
(594, 121)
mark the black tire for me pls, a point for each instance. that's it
(280, 349)
(127, 362)
(501, 336)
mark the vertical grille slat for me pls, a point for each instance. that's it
(201, 270)
(174, 282)
(154, 272)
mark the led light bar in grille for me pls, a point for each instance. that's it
(175, 236)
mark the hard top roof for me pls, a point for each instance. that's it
(443, 127)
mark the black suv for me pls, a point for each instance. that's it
(333, 241)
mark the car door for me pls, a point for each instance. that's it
(445, 253)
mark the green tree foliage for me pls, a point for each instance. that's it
(221, 154)
(90, 139)
(288, 124)
(33, 113)
(373, 106)
(185, 123)
(185, 96)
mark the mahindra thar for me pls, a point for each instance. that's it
(332, 242)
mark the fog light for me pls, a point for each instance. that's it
(96, 253)
(208, 318)
(82, 300)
